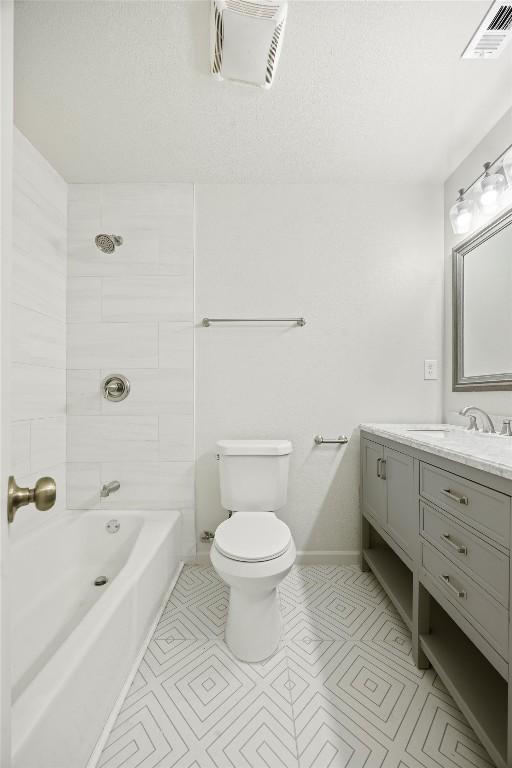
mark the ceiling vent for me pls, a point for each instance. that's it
(246, 40)
(493, 34)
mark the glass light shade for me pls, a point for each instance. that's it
(492, 187)
(507, 167)
(462, 214)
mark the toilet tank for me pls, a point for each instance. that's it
(253, 474)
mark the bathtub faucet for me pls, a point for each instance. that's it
(108, 488)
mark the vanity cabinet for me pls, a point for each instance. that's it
(388, 493)
(436, 534)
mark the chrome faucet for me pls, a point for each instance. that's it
(108, 488)
(471, 410)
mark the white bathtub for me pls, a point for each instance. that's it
(73, 644)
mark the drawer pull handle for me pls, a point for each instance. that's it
(454, 496)
(457, 547)
(378, 467)
(460, 593)
(383, 469)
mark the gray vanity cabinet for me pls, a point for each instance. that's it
(374, 494)
(437, 535)
(388, 492)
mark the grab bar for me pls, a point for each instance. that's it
(207, 321)
(340, 440)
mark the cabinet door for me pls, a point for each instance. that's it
(402, 500)
(373, 485)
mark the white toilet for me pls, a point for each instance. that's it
(253, 550)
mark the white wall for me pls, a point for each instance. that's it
(132, 313)
(498, 404)
(363, 265)
(38, 318)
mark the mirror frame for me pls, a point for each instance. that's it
(491, 381)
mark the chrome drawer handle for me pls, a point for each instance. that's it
(460, 593)
(457, 547)
(458, 497)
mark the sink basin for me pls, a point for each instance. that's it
(430, 432)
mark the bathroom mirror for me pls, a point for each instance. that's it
(482, 308)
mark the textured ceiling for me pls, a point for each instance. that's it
(120, 91)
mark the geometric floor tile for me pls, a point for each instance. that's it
(342, 690)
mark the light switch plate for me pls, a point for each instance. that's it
(430, 370)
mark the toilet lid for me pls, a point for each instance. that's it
(252, 537)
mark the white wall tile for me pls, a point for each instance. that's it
(112, 345)
(37, 392)
(83, 392)
(20, 448)
(132, 313)
(176, 437)
(83, 485)
(84, 299)
(131, 299)
(150, 485)
(47, 443)
(37, 339)
(154, 391)
(176, 345)
(101, 438)
(38, 283)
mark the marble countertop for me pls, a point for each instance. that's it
(490, 453)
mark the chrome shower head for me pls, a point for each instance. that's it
(107, 243)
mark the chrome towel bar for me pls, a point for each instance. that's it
(340, 440)
(207, 321)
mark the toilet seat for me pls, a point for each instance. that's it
(252, 537)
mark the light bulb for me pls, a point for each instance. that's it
(492, 186)
(461, 214)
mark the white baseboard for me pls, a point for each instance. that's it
(334, 557)
(100, 744)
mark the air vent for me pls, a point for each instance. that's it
(246, 40)
(493, 34)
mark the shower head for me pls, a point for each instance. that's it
(107, 243)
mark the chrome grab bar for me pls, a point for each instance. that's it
(454, 496)
(340, 440)
(207, 321)
(458, 592)
(457, 547)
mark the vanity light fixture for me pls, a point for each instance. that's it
(491, 189)
(462, 214)
(507, 167)
(488, 191)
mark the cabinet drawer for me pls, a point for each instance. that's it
(485, 510)
(486, 614)
(486, 565)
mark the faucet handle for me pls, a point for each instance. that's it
(506, 427)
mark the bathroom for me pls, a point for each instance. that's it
(255, 401)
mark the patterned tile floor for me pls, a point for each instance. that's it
(341, 691)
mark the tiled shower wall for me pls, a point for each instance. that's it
(131, 312)
(38, 339)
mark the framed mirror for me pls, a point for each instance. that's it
(482, 308)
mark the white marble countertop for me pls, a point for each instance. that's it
(490, 453)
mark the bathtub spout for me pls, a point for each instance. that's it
(108, 488)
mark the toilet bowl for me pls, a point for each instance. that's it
(253, 550)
